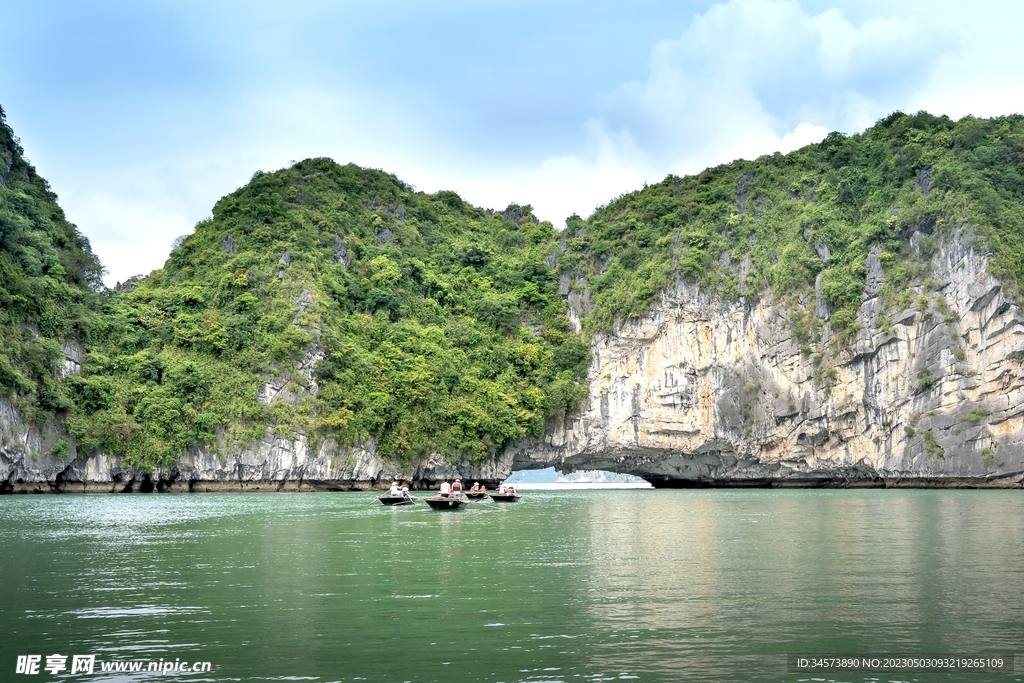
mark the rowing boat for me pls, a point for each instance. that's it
(396, 500)
(439, 503)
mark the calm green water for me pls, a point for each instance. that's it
(564, 586)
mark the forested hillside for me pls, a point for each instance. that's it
(337, 301)
(792, 224)
(49, 281)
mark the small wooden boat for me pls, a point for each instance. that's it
(396, 500)
(439, 503)
(475, 495)
(505, 497)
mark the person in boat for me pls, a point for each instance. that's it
(510, 489)
(475, 488)
(502, 487)
(445, 489)
(395, 491)
(405, 492)
(457, 489)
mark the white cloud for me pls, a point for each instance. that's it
(746, 78)
(560, 185)
(745, 74)
(134, 222)
(133, 215)
(982, 76)
(804, 134)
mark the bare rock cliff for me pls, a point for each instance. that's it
(702, 391)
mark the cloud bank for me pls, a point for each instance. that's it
(745, 78)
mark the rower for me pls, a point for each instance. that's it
(394, 489)
(405, 492)
(476, 487)
(445, 489)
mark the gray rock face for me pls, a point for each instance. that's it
(823, 252)
(128, 285)
(706, 391)
(821, 308)
(72, 359)
(6, 161)
(875, 277)
(340, 252)
(924, 180)
(513, 213)
(742, 190)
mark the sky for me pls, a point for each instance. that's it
(142, 115)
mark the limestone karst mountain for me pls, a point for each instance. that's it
(846, 314)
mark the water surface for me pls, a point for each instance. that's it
(668, 585)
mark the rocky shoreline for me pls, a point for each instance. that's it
(275, 464)
(30, 463)
(146, 484)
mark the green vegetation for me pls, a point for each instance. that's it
(427, 325)
(814, 213)
(931, 446)
(48, 283)
(987, 458)
(340, 303)
(925, 381)
(978, 414)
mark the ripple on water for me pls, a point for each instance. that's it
(595, 585)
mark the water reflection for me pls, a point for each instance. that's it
(722, 582)
(595, 585)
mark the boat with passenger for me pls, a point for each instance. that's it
(397, 500)
(506, 494)
(506, 497)
(477, 492)
(397, 496)
(446, 502)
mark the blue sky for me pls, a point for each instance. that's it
(142, 115)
